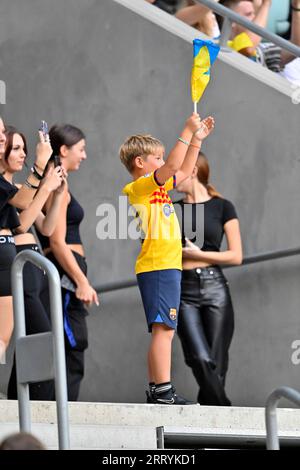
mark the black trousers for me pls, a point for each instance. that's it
(37, 321)
(205, 328)
(76, 333)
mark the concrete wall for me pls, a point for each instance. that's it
(100, 66)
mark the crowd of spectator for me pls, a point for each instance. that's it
(242, 40)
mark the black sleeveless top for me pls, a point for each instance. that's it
(8, 214)
(75, 215)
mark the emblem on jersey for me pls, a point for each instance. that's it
(168, 210)
(173, 314)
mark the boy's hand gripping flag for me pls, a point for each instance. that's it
(205, 54)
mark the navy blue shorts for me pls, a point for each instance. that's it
(160, 291)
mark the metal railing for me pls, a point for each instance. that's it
(230, 16)
(41, 356)
(271, 415)
(268, 256)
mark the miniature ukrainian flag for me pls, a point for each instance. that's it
(205, 54)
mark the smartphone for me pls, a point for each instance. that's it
(44, 127)
(56, 160)
(67, 284)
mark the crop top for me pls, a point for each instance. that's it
(217, 212)
(75, 215)
(8, 214)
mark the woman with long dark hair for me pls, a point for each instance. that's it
(11, 198)
(205, 324)
(34, 279)
(64, 248)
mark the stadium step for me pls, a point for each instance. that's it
(133, 426)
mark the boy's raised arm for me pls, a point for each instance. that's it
(206, 127)
(178, 152)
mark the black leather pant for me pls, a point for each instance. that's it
(205, 328)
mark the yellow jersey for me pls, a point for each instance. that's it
(161, 236)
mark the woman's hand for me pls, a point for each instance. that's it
(43, 151)
(87, 294)
(190, 245)
(191, 251)
(53, 179)
(64, 176)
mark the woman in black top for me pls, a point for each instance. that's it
(36, 317)
(10, 198)
(205, 324)
(64, 248)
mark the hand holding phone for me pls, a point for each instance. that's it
(44, 128)
(56, 160)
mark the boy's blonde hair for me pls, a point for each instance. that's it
(138, 146)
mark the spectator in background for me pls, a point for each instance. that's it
(292, 72)
(267, 53)
(192, 13)
(256, 4)
(200, 17)
(254, 12)
(292, 68)
(169, 6)
(21, 441)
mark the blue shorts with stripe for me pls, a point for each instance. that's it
(160, 291)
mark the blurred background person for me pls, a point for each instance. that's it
(268, 54)
(170, 6)
(200, 17)
(21, 441)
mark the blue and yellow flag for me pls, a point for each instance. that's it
(205, 54)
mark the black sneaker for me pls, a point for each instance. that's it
(149, 396)
(181, 400)
(171, 398)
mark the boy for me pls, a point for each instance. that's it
(158, 266)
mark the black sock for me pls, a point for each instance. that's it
(164, 389)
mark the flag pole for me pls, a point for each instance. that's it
(195, 107)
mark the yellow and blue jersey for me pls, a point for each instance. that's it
(161, 247)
